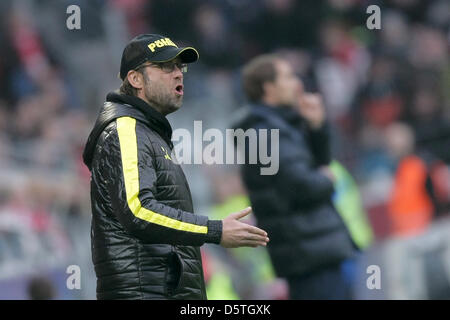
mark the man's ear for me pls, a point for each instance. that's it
(135, 79)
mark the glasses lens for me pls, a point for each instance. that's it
(169, 67)
(182, 67)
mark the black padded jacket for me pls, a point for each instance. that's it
(145, 238)
(294, 205)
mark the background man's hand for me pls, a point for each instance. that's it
(239, 234)
(312, 109)
(325, 170)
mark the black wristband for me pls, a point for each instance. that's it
(214, 234)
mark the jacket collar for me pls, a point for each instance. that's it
(286, 112)
(117, 106)
(153, 116)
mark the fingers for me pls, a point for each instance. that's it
(253, 230)
(312, 99)
(242, 213)
(253, 243)
(245, 242)
(311, 103)
(257, 238)
(256, 230)
(240, 234)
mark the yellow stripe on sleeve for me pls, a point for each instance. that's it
(126, 128)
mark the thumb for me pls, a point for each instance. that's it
(242, 213)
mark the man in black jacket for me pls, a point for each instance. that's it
(145, 237)
(309, 241)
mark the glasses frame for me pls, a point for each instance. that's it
(167, 67)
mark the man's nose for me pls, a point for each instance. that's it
(177, 72)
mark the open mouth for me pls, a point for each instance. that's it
(179, 89)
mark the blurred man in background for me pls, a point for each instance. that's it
(145, 237)
(309, 240)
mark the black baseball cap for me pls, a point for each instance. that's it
(153, 48)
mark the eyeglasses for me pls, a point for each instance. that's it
(166, 67)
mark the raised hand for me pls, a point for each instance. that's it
(239, 234)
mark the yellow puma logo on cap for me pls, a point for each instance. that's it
(161, 43)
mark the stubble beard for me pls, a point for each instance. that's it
(159, 97)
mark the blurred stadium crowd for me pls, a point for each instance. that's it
(387, 94)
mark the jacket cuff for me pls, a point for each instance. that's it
(214, 234)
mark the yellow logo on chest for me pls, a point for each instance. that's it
(166, 156)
